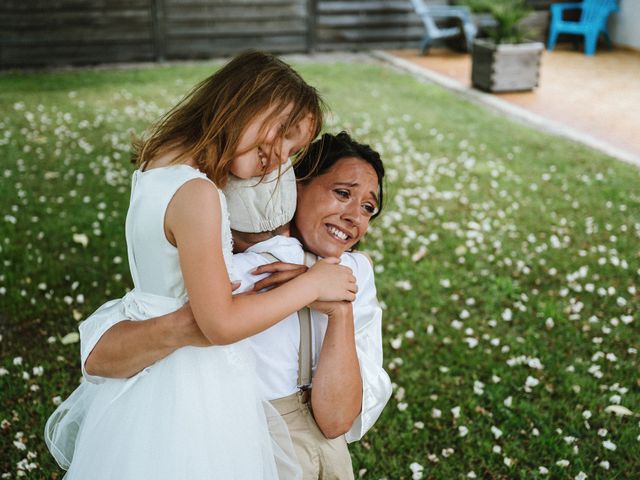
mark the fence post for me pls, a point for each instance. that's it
(159, 26)
(312, 25)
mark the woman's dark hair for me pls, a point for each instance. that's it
(328, 149)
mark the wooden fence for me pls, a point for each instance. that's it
(62, 32)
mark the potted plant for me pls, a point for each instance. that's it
(505, 62)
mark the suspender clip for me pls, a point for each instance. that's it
(305, 393)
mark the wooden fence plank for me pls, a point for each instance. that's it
(47, 54)
(207, 48)
(382, 19)
(368, 6)
(92, 31)
(236, 29)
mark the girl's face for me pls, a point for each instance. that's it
(334, 209)
(254, 161)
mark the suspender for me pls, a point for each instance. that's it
(304, 317)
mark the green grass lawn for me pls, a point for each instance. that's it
(508, 264)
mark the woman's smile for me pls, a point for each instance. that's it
(338, 233)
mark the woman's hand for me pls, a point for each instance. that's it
(333, 282)
(333, 310)
(281, 272)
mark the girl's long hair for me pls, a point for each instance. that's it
(207, 124)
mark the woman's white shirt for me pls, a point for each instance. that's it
(276, 348)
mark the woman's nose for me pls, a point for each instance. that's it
(352, 212)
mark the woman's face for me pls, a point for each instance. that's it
(334, 209)
(253, 160)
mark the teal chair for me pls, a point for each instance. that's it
(592, 23)
(429, 15)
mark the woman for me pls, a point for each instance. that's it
(339, 192)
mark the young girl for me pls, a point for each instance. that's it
(196, 414)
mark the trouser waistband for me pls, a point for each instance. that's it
(292, 402)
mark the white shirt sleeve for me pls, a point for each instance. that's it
(92, 329)
(376, 385)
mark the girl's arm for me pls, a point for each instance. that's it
(193, 222)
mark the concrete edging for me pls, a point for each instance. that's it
(512, 111)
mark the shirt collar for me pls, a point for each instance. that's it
(273, 243)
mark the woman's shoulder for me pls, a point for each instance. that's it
(360, 262)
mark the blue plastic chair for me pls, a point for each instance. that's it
(428, 15)
(593, 22)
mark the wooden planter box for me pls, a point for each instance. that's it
(505, 68)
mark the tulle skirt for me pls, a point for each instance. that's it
(196, 414)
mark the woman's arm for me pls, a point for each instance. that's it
(193, 222)
(336, 395)
(130, 346)
(376, 385)
(374, 382)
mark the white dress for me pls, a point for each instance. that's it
(197, 413)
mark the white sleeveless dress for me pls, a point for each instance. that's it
(195, 414)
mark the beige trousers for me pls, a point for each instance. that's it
(320, 457)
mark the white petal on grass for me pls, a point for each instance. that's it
(416, 471)
(478, 387)
(73, 337)
(609, 445)
(618, 410)
(447, 452)
(531, 382)
(81, 238)
(396, 343)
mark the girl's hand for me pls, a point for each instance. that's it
(333, 282)
(280, 273)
